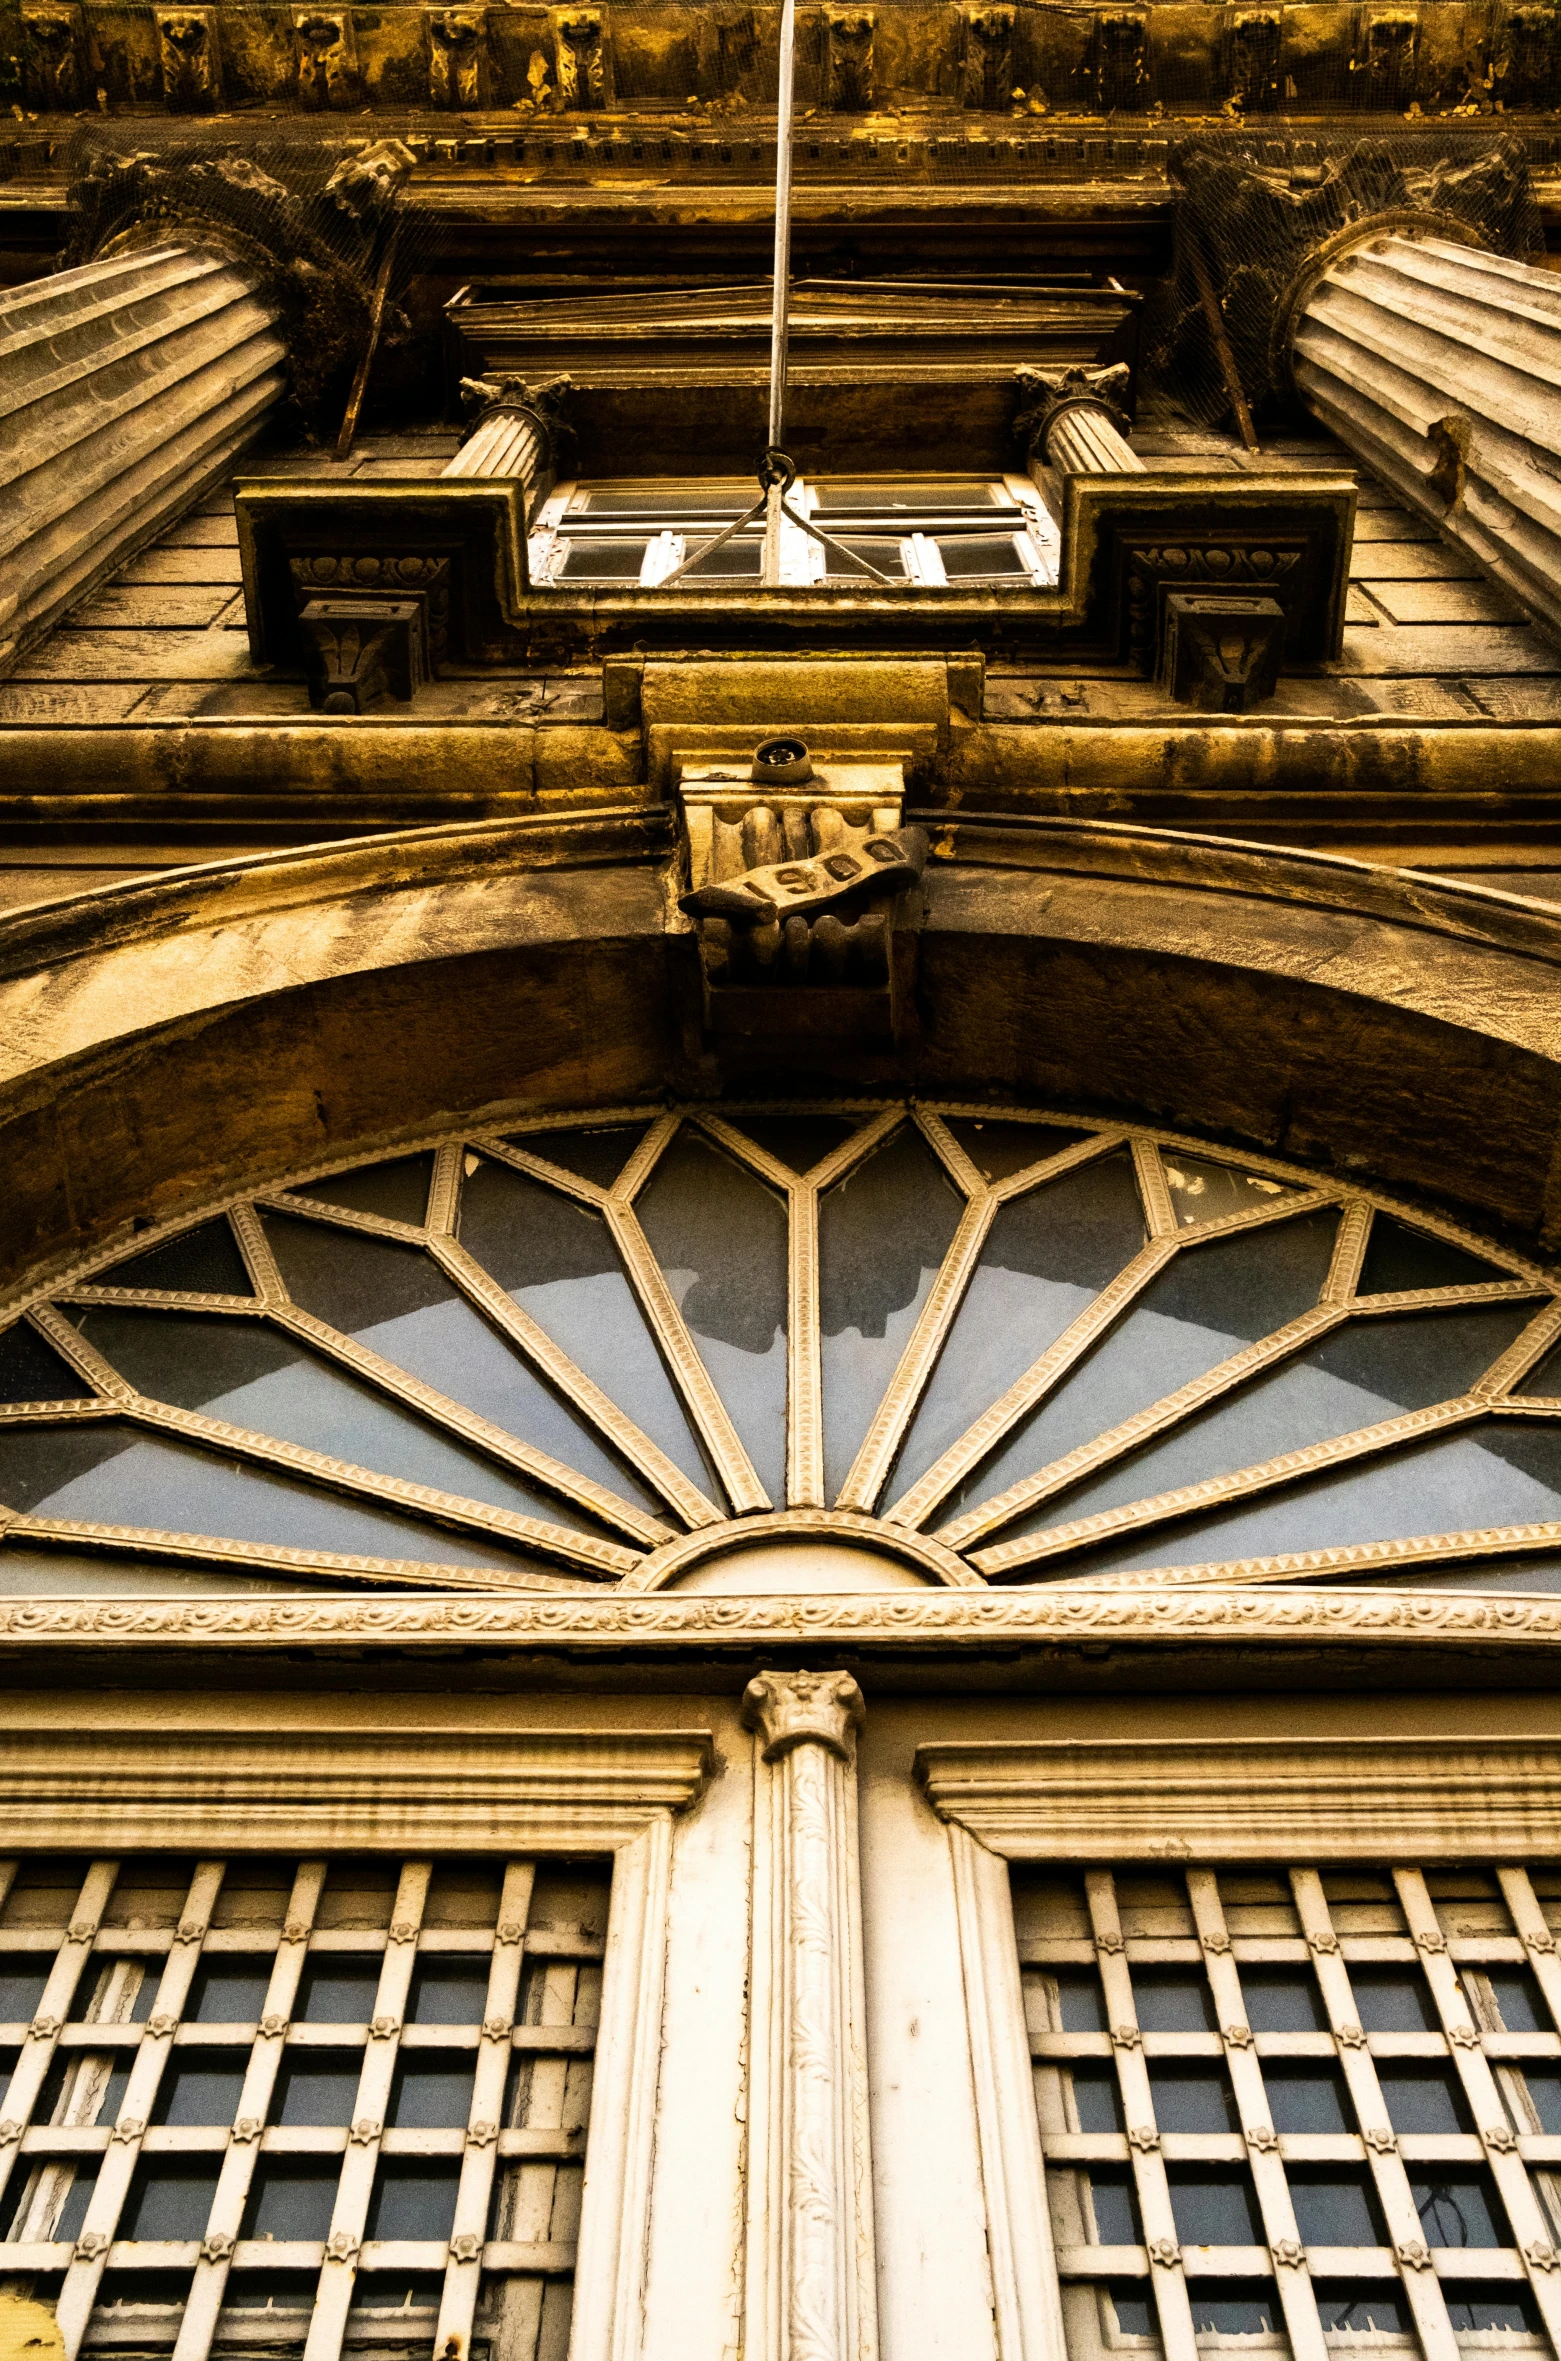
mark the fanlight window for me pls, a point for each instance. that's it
(931, 531)
(1053, 1350)
(1298, 2110)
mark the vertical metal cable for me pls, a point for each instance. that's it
(778, 322)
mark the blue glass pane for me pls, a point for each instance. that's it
(1047, 1255)
(43, 1572)
(1503, 1472)
(106, 1474)
(558, 1261)
(1356, 1377)
(1212, 1300)
(883, 1233)
(719, 1234)
(397, 1302)
(253, 1376)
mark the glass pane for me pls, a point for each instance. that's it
(1046, 1257)
(1212, 1300)
(430, 2095)
(1392, 2000)
(1335, 2208)
(1423, 2098)
(1193, 2098)
(1173, 2000)
(1519, 2005)
(999, 1147)
(983, 557)
(337, 1991)
(1509, 2309)
(200, 2091)
(1097, 2098)
(915, 495)
(448, 1992)
(1115, 2203)
(21, 1987)
(1543, 2084)
(105, 1474)
(170, 2197)
(883, 1233)
(292, 2197)
(719, 1234)
(50, 1572)
(668, 497)
(1358, 1376)
(594, 1155)
(798, 1140)
(558, 1261)
(1081, 2006)
(1282, 2000)
(1213, 2208)
(398, 1190)
(742, 556)
(855, 556)
(1241, 2307)
(32, 1371)
(1202, 1190)
(601, 561)
(394, 1300)
(1372, 2311)
(228, 1992)
(1305, 2097)
(413, 2199)
(317, 2087)
(1504, 1473)
(1398, 1258)
(1456, 2207)
(204, 1261)
(254, 1377)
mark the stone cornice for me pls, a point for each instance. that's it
(1054, 1617)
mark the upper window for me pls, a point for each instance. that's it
(928, 532)
(1054, 1349)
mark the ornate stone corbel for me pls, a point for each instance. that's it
(358, 649)
(327, 54)
(987, 80)
(1221, 651)
(848, 59)
(458, 69)
(582, 59)
(811, 2281)
(796, 890)
(51, 56)
(190, 60)
(1254, 41)
(1118, 68)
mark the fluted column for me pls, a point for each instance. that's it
(811, 2293)
(127, 388)
(515, 433)
(1440, 366)
(1076, 422)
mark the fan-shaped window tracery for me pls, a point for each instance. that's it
(1063, 1350)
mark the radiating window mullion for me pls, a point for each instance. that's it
(112, 2186)
(479, 2163)
(1531, 2232)
(805, 1367)
(1166, 2274)
(518, 1328)
(238, 2164)
(886, 1431)
(1292, 2279)
(1417, 2276)
(1042, 1377)
(355, 2189)
(53, 2008)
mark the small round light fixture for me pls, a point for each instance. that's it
(782, 762)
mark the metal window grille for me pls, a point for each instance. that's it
(298, 2107)
(1300, 2110)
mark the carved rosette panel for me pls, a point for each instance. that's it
(811, 2291)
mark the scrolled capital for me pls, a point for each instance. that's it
(790, 1709)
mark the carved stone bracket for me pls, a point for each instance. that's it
(796, 892)
(362, 648)
(582, 59)
(327, 58)
(1221, 651)
(190, 59)
(848, 59)
(987, 75)
(811, 2292)
(459, 66)
(51, 60)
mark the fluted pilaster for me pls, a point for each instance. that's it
(515, 433)
(127, 388)
(1440, 366)
(1076, 422)
(811, 2284)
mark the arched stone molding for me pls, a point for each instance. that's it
(164, 1040)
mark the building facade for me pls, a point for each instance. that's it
(780, 1386)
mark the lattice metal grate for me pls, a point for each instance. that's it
(302, 2107)
(1304, 2109)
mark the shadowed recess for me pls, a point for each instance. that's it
(800, 1141)
(397, 1191)
(999, 1146)
(1398, 1258)
(32, 1371)
(597, 1156)
(204, 1261)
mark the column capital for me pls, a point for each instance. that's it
(312, 250)
(790, 1709)
(1048, 395)
(1264, 234)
